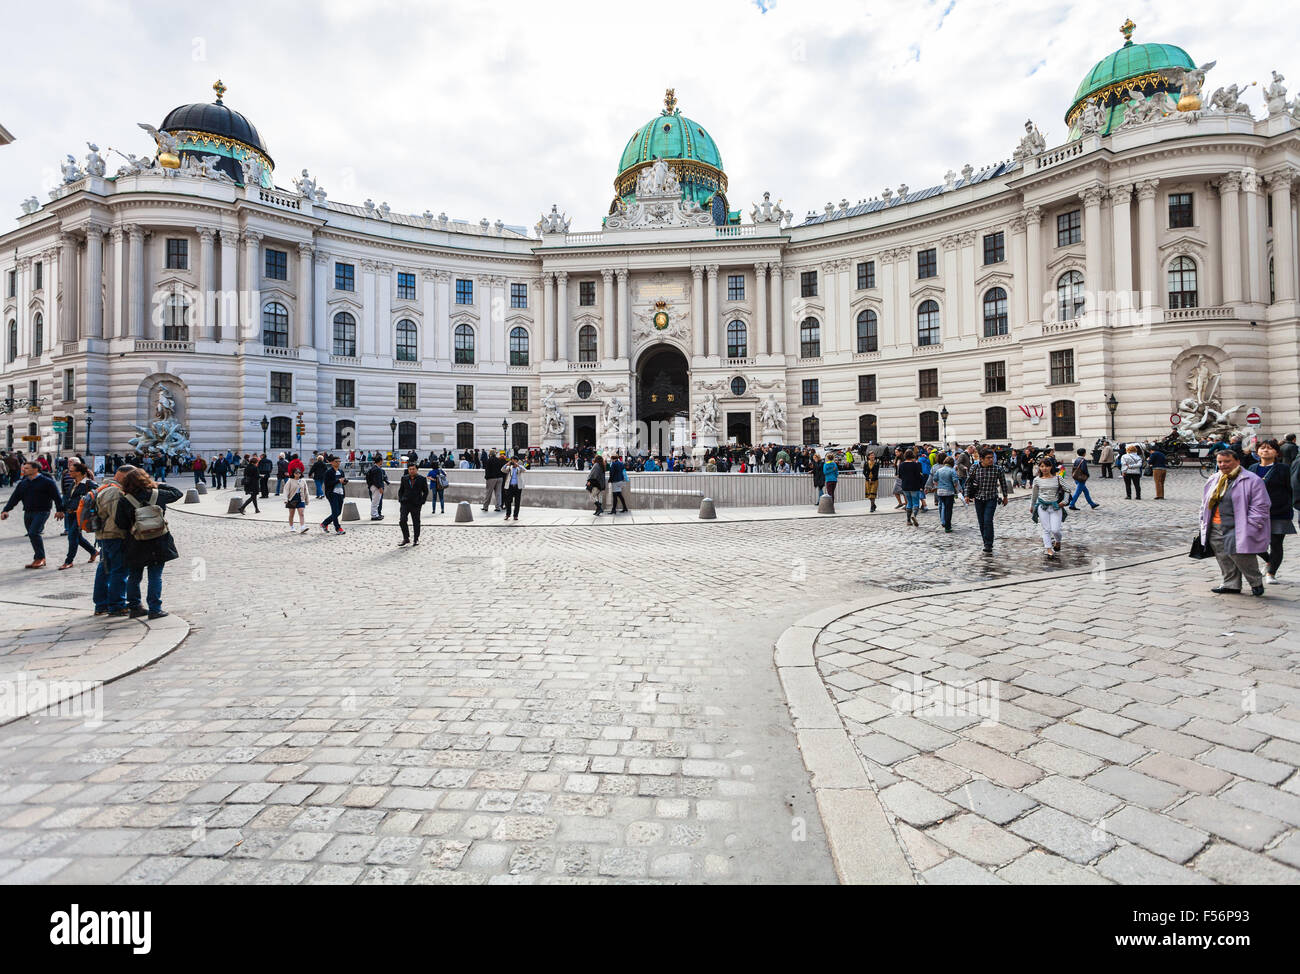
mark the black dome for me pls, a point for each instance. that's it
(214, 118)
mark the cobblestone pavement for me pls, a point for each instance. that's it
(554, 705)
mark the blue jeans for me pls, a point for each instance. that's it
(336, 508)
(438, 496)
(110, 575)
(1081, 487)
(945, 509)
(279, 484)
(984, 511)
(153, 596)
(75, 540)
(320, 488)
(34, 524)
(913, 499)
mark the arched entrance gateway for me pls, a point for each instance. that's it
(662, 394)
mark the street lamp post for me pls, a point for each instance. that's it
(90, 419)
(392, 428)
(1112, 404)
(943, 415)
(265, 424)
(505, 425)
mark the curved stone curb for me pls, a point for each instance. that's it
(163, 636)
(862, 835)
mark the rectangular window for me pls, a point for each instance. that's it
(406, 395)
(1180, 210)
(464, 291)
(277, 265)
(518, 295)
(178, 254)
(995, 247)
(464, 398)
(345, 277)
(808, 284)
(927, 264)
(40, 276)
(866, 275)
(866, 388)
(519, 399)
(1069, 228)
(11, 284)
(345, 393)
(811, 396)
(995, 376)
(281, 387)
(1062, 367)
(405, 286)
(586, 293)
(69, 385)
(735, 287)
(928, 383)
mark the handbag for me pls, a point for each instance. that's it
(1200, 549)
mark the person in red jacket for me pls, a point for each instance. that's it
(296, 464)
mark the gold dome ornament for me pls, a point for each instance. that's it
(661, 315)
(169, 160)
(1189, 103)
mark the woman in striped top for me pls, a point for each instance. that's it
(1046, 496)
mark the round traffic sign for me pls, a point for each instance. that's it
(1174, 419)
(1253, 418)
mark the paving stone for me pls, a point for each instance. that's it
(992, 764)
(1094, 742)
(916, 805)
(1061, 759)
(1246, 765)
(1073, 798)
(1267, 801)
(1038, 868)
(1156, 833)
(978, 840)
(1066, 836)
(1130, 865)
(990, 801)
(960, 872)
(1239, 825)
(1136, 787)
(1186, 774)
(1227, 864)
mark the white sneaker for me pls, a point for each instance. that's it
(1270, 579)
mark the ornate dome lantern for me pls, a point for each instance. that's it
(206, 129)
(1149, 68)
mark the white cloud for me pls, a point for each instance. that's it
(499, 109)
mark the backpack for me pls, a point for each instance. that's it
(442, 478)
(150, 521)
(88, 519)
(1080, 473)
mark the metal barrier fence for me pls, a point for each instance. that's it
(752, 489)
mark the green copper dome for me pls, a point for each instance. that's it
(1142, 66)
(687, 148)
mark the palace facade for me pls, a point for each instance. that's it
(1154, 247)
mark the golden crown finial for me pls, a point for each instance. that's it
(1127, 29)
(220, 89)
(670, 101)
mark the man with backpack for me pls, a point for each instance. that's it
(437, 487)
(110, 572)
(264, 470)
(141, 515)
(1079, 473)
(281, 473)
(39, 495)
(376, 481)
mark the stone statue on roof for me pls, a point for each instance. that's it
(1091, 117)
(1033, 143)
(1275, 95)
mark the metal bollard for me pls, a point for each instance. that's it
(233, 506)
(350, 512)
(191, 496)
(707, 511)
(826, 504)
(464, 513)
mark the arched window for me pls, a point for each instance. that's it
(408, 341)
(810, 342)
(927, 323)
(281, 433)
(11, 352)
(587, 343)
(929, 426)
(995, 423)
(519, 436)
(275, 325)
(518, 345)
(464, 344)
(176, 320)
(867, 429)
(345, 335)
(1069, 296)
(1063, 418)
(464, 436)
(868, 331)
(1182, 283)
(737, 340)
(995, 312)
(345, 435)
(406, 435)
(812, 430)
(38, 334)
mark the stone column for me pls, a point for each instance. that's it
(950, 317)
(969, 325)
(22, 295)
(1034, 259)
(1230, 236)
(903, 271)
(548, 317)
(562, 316)
(1020, 275)
(227, 324)
(777, 309)
(383, 313)
(609, 343)
(366, 343)
(715, 317)
(1283, 247)
(68, 279)
(830, 320)
(760, 308)
(304, 339)
(444, 313)
(486, 326)
(887, 325)
(843, 297)
(1094, 278)
(429, 340)
(624, 317)
(1122, 245)
(1256, 265)
(323, 339)
(206, 318)
(252, 287)
(95, 280)
(1148, 258)
(697, 310)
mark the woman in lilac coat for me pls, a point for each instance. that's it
(1235, 512)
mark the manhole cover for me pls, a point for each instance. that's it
(911, 586)
(66, 595)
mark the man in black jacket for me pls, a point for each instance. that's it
(264, 469)
(317, 473)
(376, 481)
(39, 495)
(412, 492)
(492, 481)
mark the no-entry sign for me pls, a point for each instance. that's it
(1253, 418)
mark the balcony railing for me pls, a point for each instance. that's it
(737, 363)
(345, 360)
(1196, 314)
(520, 369)
(582, 239)
(865, 356)
(1049, 159)
(583, 366)
(1055, 327)
(406, 363)
(994, 340)
(748, 230)
(151, 345)
(464, 366)
(275, 351)
(927, 349)
(279, 199)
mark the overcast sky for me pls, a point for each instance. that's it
(499, 109)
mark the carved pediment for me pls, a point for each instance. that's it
(1068, 260)
(1188, 244)
(926, 289)
(864, 301)
(352, 305)
(994, 278)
